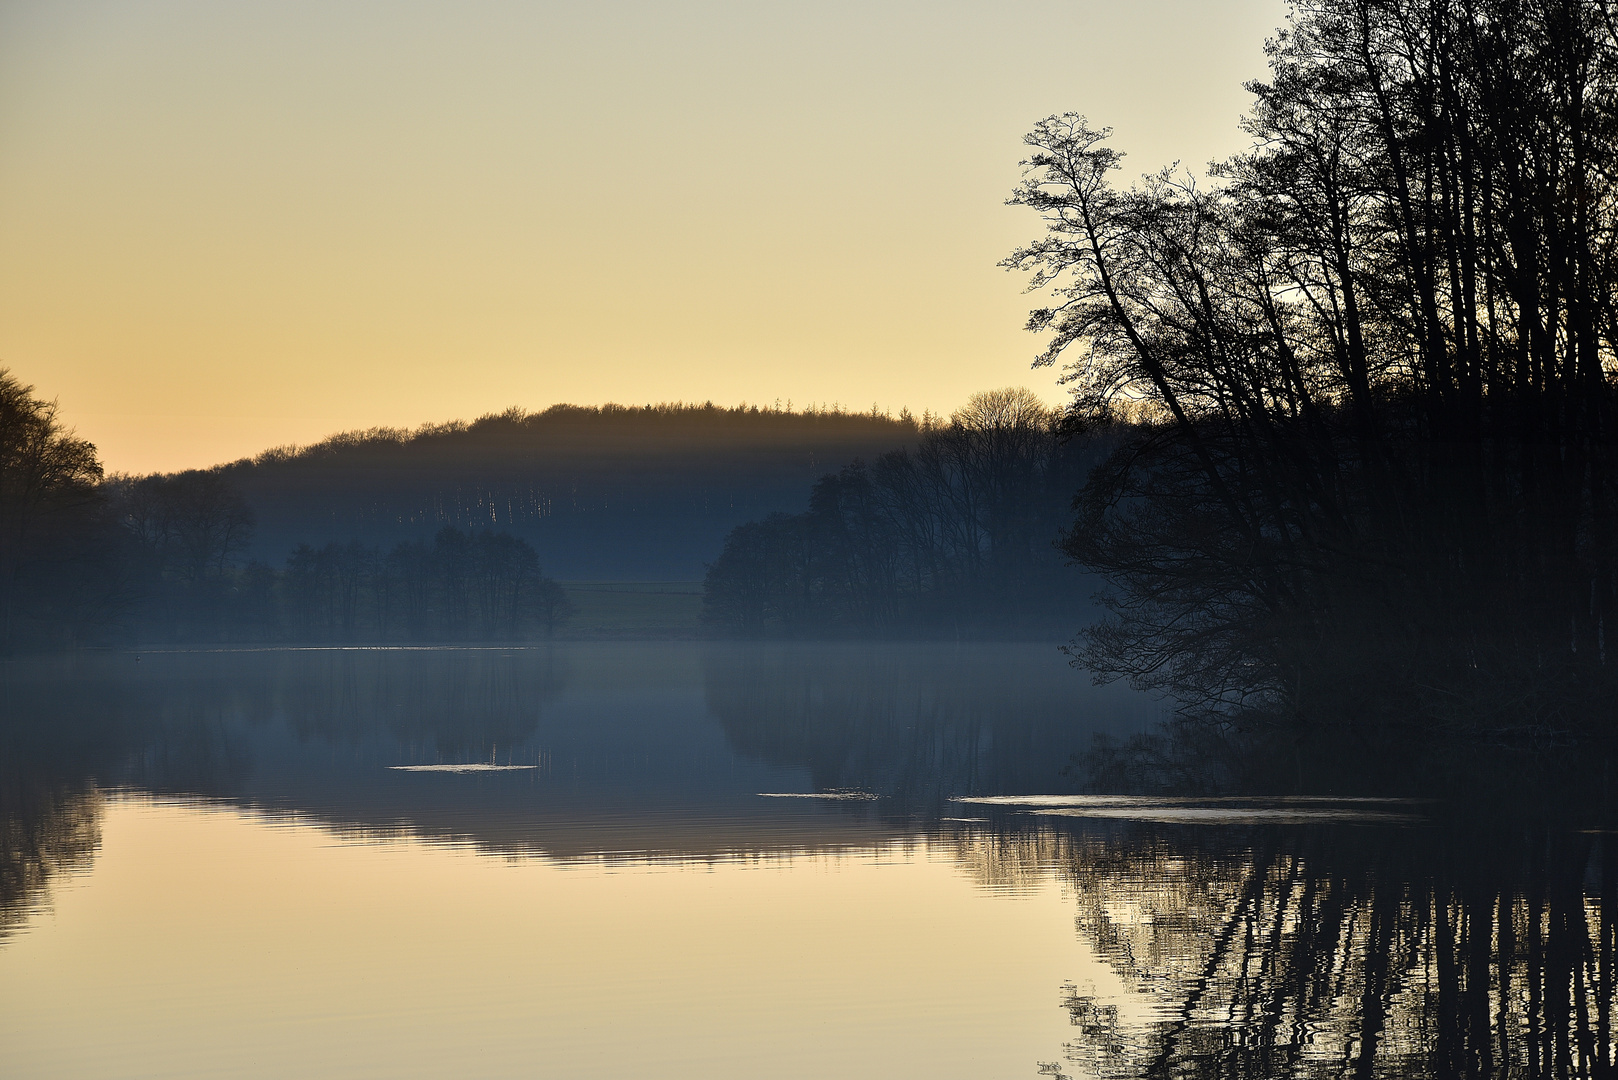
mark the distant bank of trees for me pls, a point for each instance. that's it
(639, 493)
(462, 586)
(956, 534)
(86, 560)
(483, 586)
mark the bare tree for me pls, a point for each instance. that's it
(1379, 356)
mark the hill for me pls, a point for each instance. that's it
(612, 493)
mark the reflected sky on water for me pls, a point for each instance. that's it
(713, 860)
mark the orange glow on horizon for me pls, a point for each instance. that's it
(224, 228)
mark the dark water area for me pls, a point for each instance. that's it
(955, 860)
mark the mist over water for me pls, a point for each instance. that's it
(886, 857)
(634, 742)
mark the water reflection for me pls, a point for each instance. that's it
(50, 806)
(1364, 951)
(45, 829)
(916, 722)
(1380, 929)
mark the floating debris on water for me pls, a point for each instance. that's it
(460, 768)
(844, 795)
(1231, 815)
(1156, 800)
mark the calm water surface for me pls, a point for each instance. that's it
(705, 860)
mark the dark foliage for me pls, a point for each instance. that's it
(160, 559)
(1375, 361)
(170, 558)
(610, 493)
(954, 535)
(463, 586)
(62, 558)
(483, 586)
(189, 530)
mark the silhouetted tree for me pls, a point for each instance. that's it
(1375, 358)
(330, 590)
(194, 521)
(407, 590)
(760, 577)
(60, 562)
(550, 603)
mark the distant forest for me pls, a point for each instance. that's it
(87, 560)
(955, 534)
(602, 494)
(454, 532)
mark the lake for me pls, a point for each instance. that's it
(709, 860)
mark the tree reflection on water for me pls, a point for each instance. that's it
(1467, 936)
(1300, 952)
(45, 829)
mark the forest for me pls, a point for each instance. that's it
(950, 531)
(384, 536)
(87, 560)
(604, 494)
(954, 535)
(1369, 368)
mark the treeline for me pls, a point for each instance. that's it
(955, 535)
(163, 559)
(462, 586)
(1381, 482)
(610, 492)
(484, 586)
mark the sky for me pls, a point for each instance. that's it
(231, 226)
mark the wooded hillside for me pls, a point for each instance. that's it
(609, 493)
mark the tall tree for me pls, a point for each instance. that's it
(49, 505)
(1375, 356)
